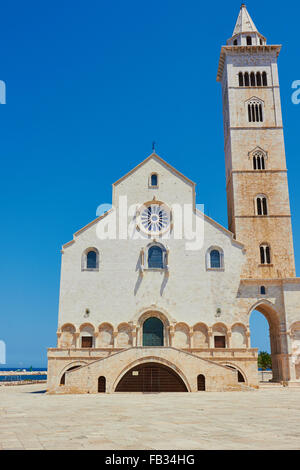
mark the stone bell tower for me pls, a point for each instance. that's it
(256, 174)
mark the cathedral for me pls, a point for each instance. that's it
(155, 296)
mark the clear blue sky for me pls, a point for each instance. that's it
(90, 85)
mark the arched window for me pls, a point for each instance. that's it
(155, 257)
(215, 259)
(154, 179)
(101, 384)
(265, 256)
(258, 161)
(249, 41)
(153, 332)
(235, 42)
(241, 79)
(252, 79)
(261, 205)
(258, 79)
(264, 79)
(262, 290)
(247, 82)
(201, 383)
(90, 260)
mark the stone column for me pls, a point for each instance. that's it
(229, 335)
(191, 338)
(210, 338)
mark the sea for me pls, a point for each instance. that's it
(25, 377)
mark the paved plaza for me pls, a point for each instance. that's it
(260, 419)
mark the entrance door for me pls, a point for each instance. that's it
(151, 377)
(153, 332)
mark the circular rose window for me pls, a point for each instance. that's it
(155, 218)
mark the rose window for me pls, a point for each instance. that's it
(155, 218)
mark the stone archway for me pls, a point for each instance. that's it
(277, 345)
(161, 319)
(151, 377)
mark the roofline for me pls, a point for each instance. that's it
(238, 49)
(241, 245)
(154, 155)
(86, 227)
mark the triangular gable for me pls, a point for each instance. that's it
(160, 160)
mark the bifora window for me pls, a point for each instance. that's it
(265, 254)
(258, 161)
(261, 205)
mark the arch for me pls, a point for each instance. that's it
(151, 375)
(238, 336)
(155, 257)
(261, 204)
(181, 335)
(215, 258)
(90, 259)
(265, 253)
(241, 374)
(220, 335)
(101, 384)
(154, 180)
(161, 315)
(124, 336)
(277, 341)
(264, 79)
(200, 335)
(67, 338)
(72, 366)
(87, 331)
(153, 332)
(106, 335)
(201, 383)
(241, 79)
(258, 79)
(247, 80)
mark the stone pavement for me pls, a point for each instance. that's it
(261, 419)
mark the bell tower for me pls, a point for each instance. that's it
(256, 174)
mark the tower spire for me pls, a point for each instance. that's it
(244, 22)
(245, 31)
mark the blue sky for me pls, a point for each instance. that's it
(90, 85)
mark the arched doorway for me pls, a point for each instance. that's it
(151, 377)
(153, 332)
(201, 383)
(101, 384)
(265, 335)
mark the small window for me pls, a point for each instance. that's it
(155, 257)
(255, 112)
(154, 179)
(258, 78)
(235, 42)
(252, 79)
(215, 259)
(201, 383)
(241, 79)
(220, 341)
(247, 81)
(262, 290)
(86, 341)
(264, 79)
(249, 41)
(258, 161)
(91, 260)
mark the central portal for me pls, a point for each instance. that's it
(153, 332)
(151, 377)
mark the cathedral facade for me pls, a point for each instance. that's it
(155, 295)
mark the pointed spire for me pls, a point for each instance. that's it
(244, 22)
